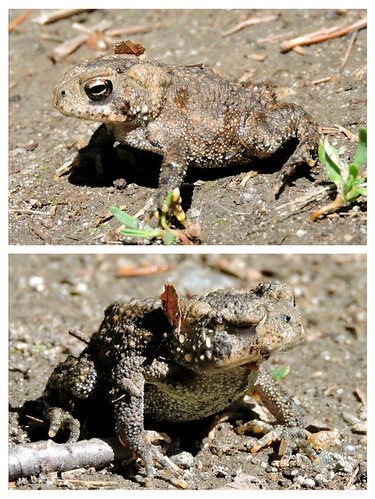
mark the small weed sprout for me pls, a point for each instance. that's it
(135, 228)
(343, 175)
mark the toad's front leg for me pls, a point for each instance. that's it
(289, 428)
(172, 173)
(128, 402)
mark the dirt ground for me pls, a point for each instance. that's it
(43, 211)
(327, 378)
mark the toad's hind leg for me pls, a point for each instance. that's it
(274, 127)
(72, 380)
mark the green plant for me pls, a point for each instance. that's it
(279, 372)
(342, 174)
(135, 229)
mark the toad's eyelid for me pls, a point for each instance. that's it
(97, 76)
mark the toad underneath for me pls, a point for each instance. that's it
(187, 114)
(182, 359)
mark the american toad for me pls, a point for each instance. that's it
(188, 114)
(182, 359)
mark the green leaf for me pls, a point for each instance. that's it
(168, 199)
(124, 218)
(359, 159)
(128, 220)
(360, 181)
(361, 155)
(348, 186)
(362, 191)
(352, 196)
(279, 372)
(140, 233)
(168, 238)
(355, 193)
(333, 170)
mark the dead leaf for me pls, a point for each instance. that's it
(171, 306)
(128, 47)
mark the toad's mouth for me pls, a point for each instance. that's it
(288, 346)
(251, 361)
(251, 367)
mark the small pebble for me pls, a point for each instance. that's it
(183, 460)
(221, 472)
(334, 461)
(360, 428)
(36, 282)
(309, 482)
(79, 289)
(350, 418)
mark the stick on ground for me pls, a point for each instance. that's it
(47, 456)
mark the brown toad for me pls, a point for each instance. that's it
(182, 359)
(188, 114)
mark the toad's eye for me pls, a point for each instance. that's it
(287, 318)
(98, 89)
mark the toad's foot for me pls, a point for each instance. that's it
(289, 428)
(290, 437)
(59, 419)
(305, 154)
(150, 455)
(166, 205)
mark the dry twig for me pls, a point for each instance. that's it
(29, 211)
(19, 19)
(321, 80)
(322, 35)
(336, 203)
(143, 270)
(304, 200)
(76, 333)
(47, 456)
(251, 22)
(361, 394)
(351, 479)
(347, 133)
(39, 232)
(56, 15)
(97, 37)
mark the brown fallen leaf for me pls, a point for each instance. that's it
(128, 47)
(171, 306)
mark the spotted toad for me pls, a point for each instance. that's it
(182, 359)
(187, 114)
